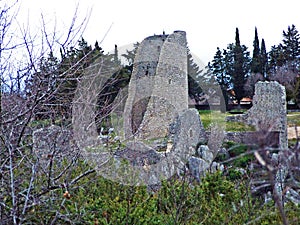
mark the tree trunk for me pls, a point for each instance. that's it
(224, 101)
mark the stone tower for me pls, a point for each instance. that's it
(158, 89)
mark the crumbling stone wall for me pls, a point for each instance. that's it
(158, 89)
(268, 112)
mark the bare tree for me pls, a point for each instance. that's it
(286, 76)
(27, 178)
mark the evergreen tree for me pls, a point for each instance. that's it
(229, 62)
(108, 94)
(116, 56)
(75, 62)
(291, 46)
(58, 78)
(42, 84)
(219, 70)
(277, 58)
(263, 59)
(255, 64)
(240, 68)
(232, 68)
(130, 54)
(97, 48)
(193, 71)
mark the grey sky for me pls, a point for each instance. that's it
(209, 24)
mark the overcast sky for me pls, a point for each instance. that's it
(209, 24)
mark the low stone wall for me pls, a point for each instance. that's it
(258, 138)
(270, 139)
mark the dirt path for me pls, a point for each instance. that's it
(292, 132)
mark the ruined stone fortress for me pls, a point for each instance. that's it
(158, 88)
(162, 135)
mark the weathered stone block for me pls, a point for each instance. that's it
(268, 113)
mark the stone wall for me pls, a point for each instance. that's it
(270, 139)
(268, 113)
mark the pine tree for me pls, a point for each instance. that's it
(58, 78)
(130, 54)
(255, 64)
(193, 71)
(291, 46)
(277, 58)
(229, 61)
(219, 69)
(97, 48)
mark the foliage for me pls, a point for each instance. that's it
(194, 90)
(284, 64)
(109, 92)
(293, 119)
(58, 77)
(220, 70)
(231, 69)
(216, 200)
(110, 203)
(241, 65)
(46, 189)
(255, 64)
(238, 153)
(291, 45)
(130, 54)
(263, 59)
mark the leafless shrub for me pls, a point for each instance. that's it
(275, 172)
(23, 184)
(251, 81)
(287, 76)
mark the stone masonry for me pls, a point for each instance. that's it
(268, 113)
(158, 89)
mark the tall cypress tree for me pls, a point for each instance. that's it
(255, 64)
(263, 59)
(232, 68)
(240, 67)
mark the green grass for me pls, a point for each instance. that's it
(238, 127)
(210, 117)
(293, 118)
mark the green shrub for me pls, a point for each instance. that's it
(96, 200)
